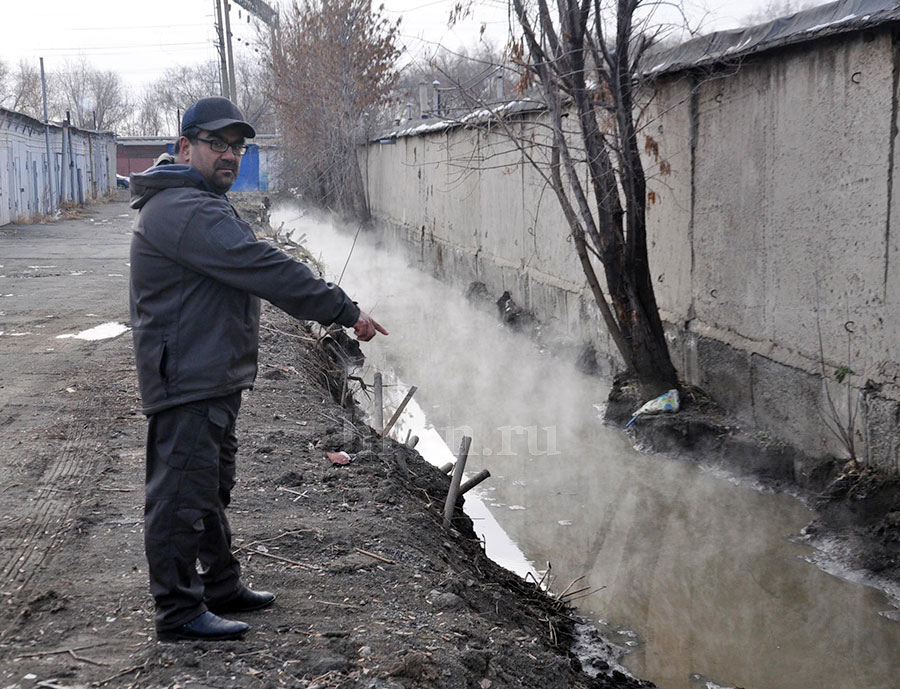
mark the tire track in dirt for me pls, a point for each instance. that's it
(46, 516)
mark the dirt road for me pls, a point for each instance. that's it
(372, 591)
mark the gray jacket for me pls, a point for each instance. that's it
(197, 273)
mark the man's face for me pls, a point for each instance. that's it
(220, 170)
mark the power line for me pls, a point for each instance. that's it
(141, 27)
(133, 46)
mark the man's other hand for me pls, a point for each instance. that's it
(366, 327)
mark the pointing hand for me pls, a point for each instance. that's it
(366, 327)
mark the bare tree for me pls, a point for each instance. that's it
(585, 58)
(148, 118)
(255, 89)
(467, 79)
(4, 82)
(332, 69)
(21, 89)
(159, 105)
(778, 8)
(95, 99)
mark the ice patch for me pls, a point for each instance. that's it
(829, 556)
(99, 332)
(517, 507)
(708, 683)
(597, 653)
(565, 522)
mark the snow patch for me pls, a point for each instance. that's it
(99, 332)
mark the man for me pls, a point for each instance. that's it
(197, 274)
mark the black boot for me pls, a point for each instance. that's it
(244, 600)
(206, 627)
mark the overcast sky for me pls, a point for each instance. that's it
(140, 40)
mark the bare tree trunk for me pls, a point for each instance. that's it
(617, 225)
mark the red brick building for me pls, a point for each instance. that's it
(137, 153)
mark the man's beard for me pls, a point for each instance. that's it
(221, 185)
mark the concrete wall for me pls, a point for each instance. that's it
(25, 181)
(775, 194)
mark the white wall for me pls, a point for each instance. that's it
(25, 189)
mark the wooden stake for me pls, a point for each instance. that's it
(447, 468)
(412, 441)
(390, 424)
(482, 475)
(458, 469)
(379, 403)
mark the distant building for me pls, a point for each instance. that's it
(137, 153)
(82, 166)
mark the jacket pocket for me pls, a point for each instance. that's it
(163, 362)
(153, 357)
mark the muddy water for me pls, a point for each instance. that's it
(700, 576)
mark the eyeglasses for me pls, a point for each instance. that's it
(220, 146)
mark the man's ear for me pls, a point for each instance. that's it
(184, 149)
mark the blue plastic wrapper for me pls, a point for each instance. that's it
(667, 402)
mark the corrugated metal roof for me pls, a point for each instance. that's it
(834, 18)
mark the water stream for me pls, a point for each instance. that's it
(700, 575)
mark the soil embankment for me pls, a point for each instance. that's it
(373, 591)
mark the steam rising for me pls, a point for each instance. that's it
(697, 565)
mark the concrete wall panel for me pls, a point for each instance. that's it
(666, 135)
(774, 196)
(730, 211)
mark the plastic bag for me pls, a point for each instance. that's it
(667, 402)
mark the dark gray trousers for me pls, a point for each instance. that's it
(190, 473)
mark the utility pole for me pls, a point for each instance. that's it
(232, 88)
(223, 58)
(72, 187)
(259, 9)
(52, 200)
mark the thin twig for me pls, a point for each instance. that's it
(38, 654)
(339, 605)
(86, 660)
(287, 334)
(352, 246)
(585, 595)
(273, 538)
(126, 671)
(573, 582)
(284, 559)
(374, 556)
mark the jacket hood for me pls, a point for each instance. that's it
(145, 185)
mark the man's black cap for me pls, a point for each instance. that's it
(213, 114)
